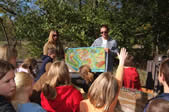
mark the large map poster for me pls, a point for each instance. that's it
(93, 56)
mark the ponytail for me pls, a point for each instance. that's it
(86, 74)
(58, 74)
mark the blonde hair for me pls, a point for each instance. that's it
(7, 52)
(54, 44)
(22, 80)
(85, 73)
(50, 38)
(103, 91)
(58, 75)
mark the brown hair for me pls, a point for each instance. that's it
(85, 73)
(129, 61)
(58, 75)
(103, 91)
(105, 26)
(158, 105)
(164, 69)
(30, 62)
(5, 67)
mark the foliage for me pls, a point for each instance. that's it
(143, 24)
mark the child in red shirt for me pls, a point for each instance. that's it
(58, 95)
(131, 76)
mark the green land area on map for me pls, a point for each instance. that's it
(93, 56)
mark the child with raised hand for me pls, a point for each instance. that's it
(21, 102)
(58, 95)
(7, 86)
(103, 93)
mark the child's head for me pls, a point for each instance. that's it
(24, 83)
(58, 74)
(164, 72)
(85, 73)
(7, 83)
(31, 62)
(32, 65)
(8, 53)
(52, 52)
(158, 105)
(103, 91)
(129, 61)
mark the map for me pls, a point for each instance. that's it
(93, 56)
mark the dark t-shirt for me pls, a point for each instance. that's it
(81, 83)
(5, 105)
(161, 96)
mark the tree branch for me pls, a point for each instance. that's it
(3, 27)
(7, 9)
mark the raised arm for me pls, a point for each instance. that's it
(119, 73)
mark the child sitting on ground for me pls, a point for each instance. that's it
(20, 100)
(7, 86)
(158, 105)
(58, 95)
(163, 78)
(46, 60)
(86, 78)
(131, 77)
(103, 93)
(29, 65)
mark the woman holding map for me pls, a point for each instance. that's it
(54, 42)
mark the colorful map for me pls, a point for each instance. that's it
(93, 56)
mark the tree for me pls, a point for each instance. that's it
(132, 23)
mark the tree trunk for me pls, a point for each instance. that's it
(3, 27)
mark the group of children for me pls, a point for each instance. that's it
(57, 92)
(52, 90)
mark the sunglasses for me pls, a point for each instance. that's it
(55, 35)
(105, 32)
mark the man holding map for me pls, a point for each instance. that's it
(109, 45)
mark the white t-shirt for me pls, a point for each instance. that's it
(104, 44)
